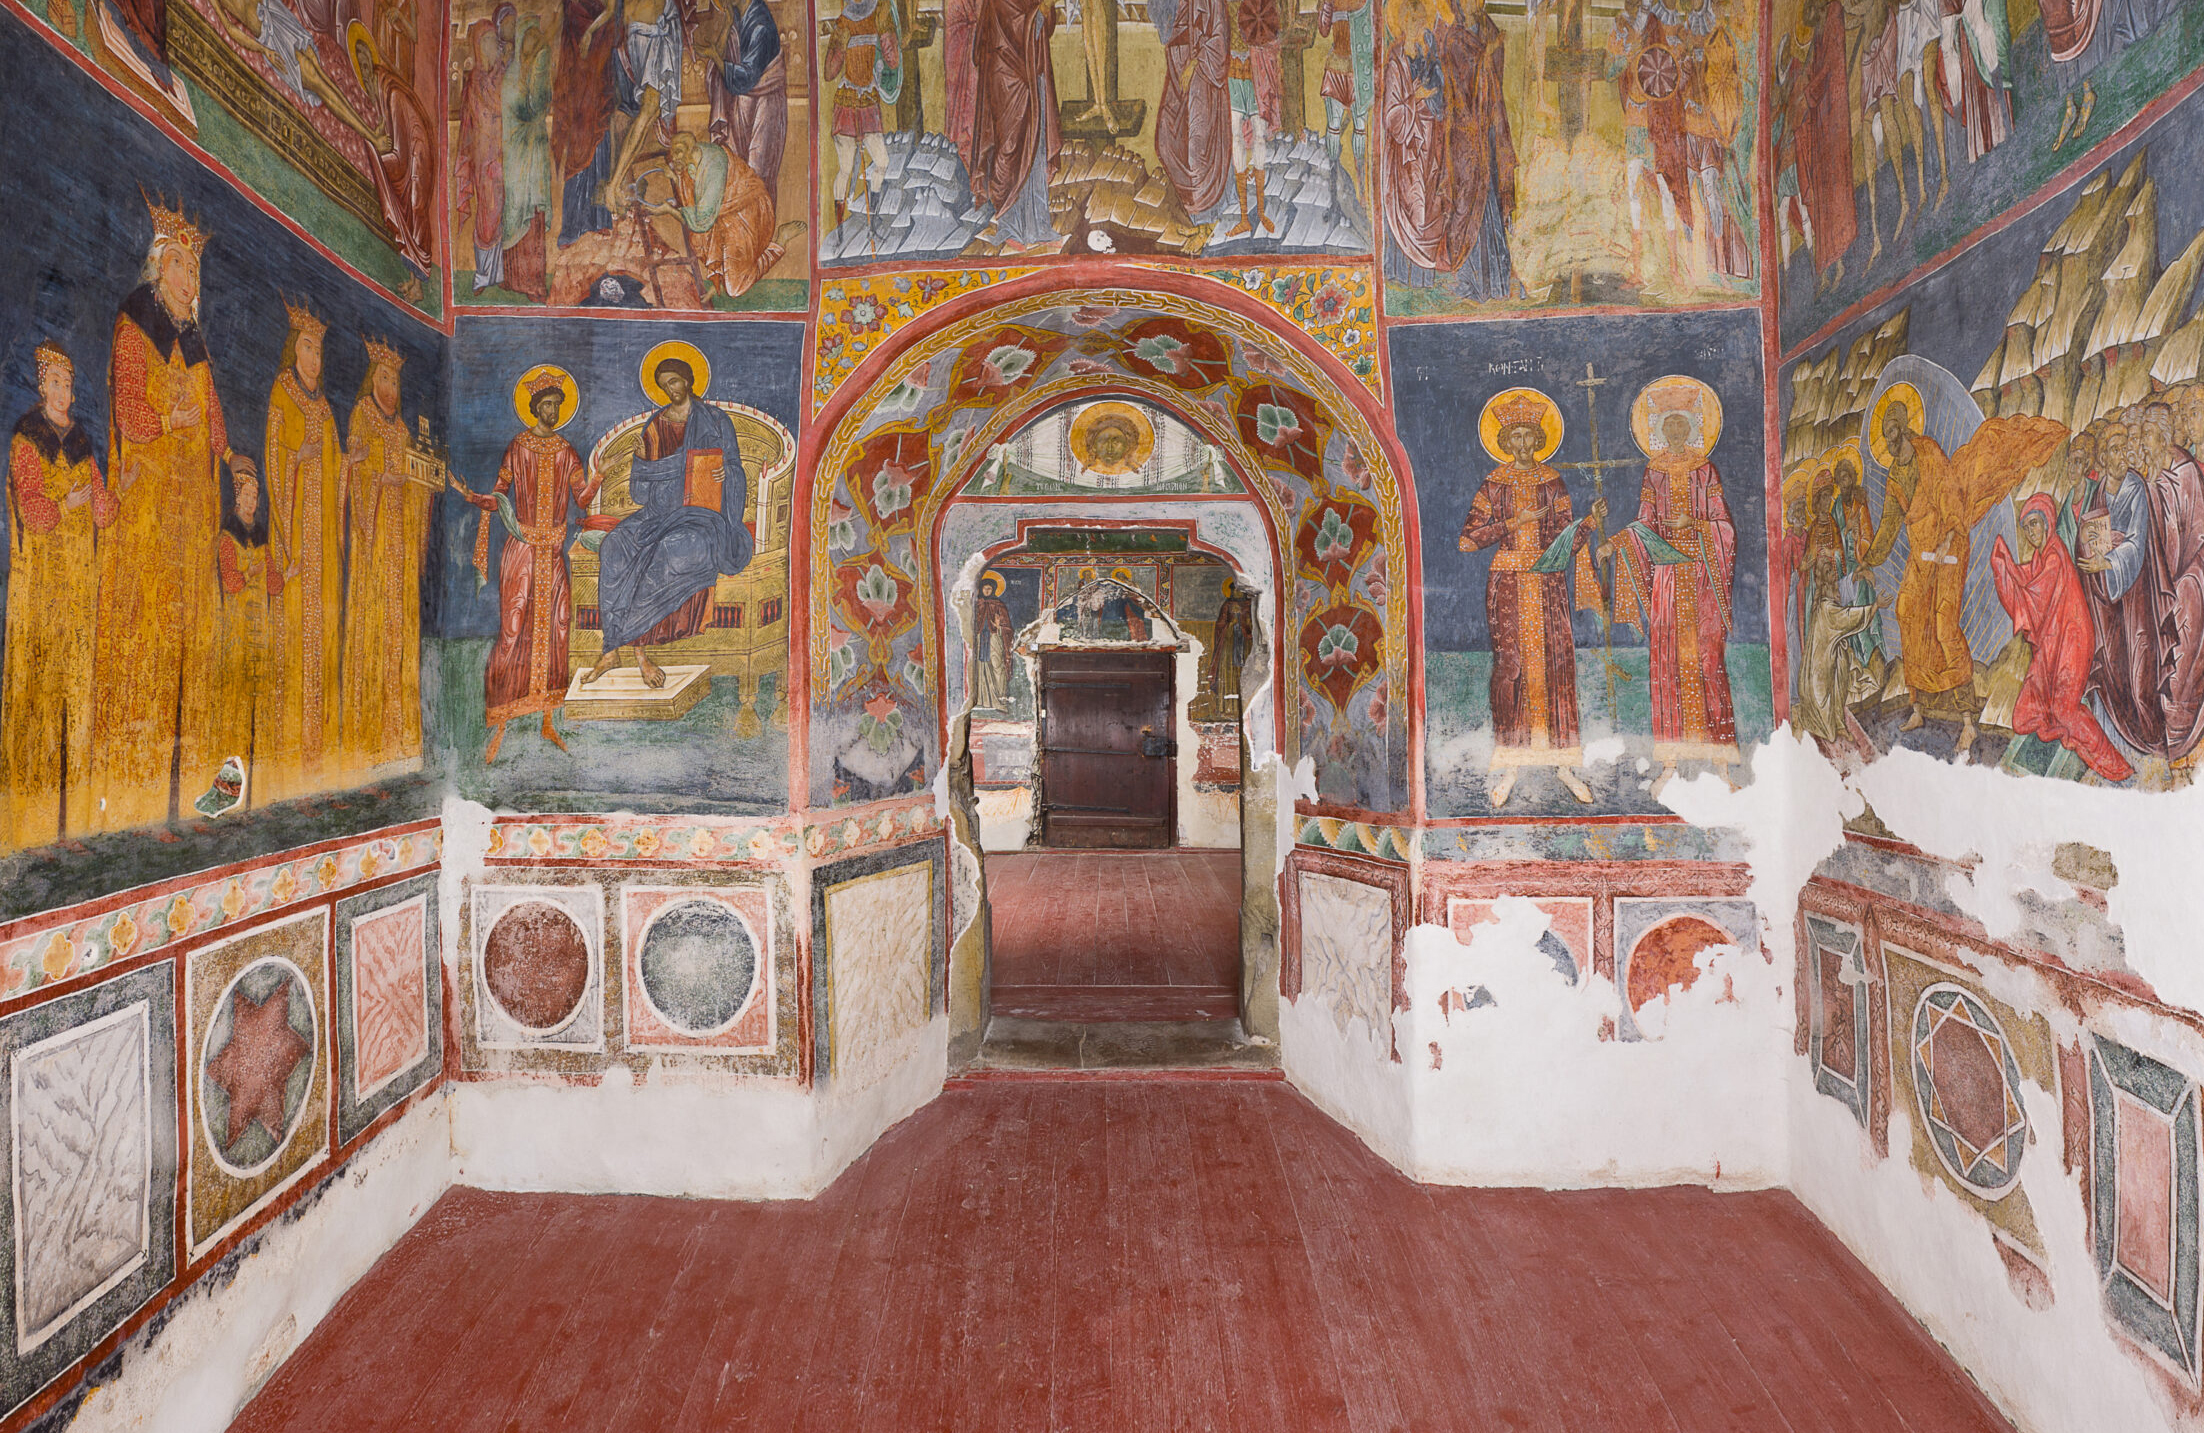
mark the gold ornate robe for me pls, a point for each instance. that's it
(154, 662)
(387, 523)
(305, 476)
(55, 501)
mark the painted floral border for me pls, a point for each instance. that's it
(784, 839)
(216, 899)
(857, 315)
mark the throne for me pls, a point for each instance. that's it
(746, 636)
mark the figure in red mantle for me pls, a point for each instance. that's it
(540, 477)
(1015, 137)
(2044, 594)
(1824, 142)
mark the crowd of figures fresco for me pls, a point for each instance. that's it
(629, 155)
(1903, 125)
(2007, 570)
(220, 475)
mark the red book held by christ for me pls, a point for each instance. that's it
(701, 479)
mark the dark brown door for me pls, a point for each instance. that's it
(1106, 749)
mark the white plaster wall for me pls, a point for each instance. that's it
(220, 1340)
(707, 1137)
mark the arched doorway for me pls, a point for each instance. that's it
(1327, 487)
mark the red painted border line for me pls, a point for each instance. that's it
(1658, 818)
(634, 315)
(1740, 304)
(971, 1079)
(2052, 188)
(153, 890)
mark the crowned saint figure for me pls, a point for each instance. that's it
(169, 462)
(304, 467)
(1673, 568)
(56, 502)
(387, 525)
(1540, 560)
(540, 480)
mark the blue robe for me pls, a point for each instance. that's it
(666, 555)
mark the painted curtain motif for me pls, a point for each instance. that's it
(1903, 125)
(325, 108)
(1211, 128)
(633, 155)
(1987, 488)
(1593, 623)
(1565, 154)
(616, 573)
(222, 462)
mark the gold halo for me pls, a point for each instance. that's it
(1906, 396)
(1092, 416)
(991, 583)
(570, 397)
(674, 348)
(1706, 403)
(1488, 423)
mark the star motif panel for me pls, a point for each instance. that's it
(390, 982)
(90, 1215)
(257, 1010)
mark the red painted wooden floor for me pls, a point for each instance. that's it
(1094, 1256)
(1116, 935)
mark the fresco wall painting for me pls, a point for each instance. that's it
(629, 483)
(631, 156)
(941, 408)
(2001, 95)
(2050, 634)
(1577, 592)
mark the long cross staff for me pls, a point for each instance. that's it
(1598, 468)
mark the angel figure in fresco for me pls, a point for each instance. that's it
(662, 562)
(387, 530)
(2044, 596)
(1935, 499)
(56, 500)
(1541, 561)
(539, 481)
(992, 635)
(306, 512)
(1673, 569)
(1450, 193)
(2142, 564)
(170, 465)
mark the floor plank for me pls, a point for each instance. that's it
(1070, 1254)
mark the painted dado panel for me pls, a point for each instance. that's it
(879, 940)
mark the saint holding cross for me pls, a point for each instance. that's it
(1542, 559)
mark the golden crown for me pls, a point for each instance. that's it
(51, 357)
(381, 355)
(1525, 408)
(1664, 401)
(304, 320)
(175, 225)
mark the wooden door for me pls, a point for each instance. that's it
(1106, 749)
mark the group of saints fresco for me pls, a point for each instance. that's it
(193, 625)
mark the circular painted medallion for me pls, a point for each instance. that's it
(536, 965)
(257, 1065)
(698, 964)
(1966, 1085)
